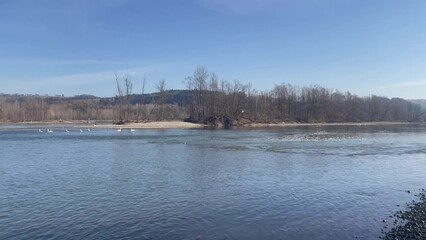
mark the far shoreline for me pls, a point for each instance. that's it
(260, 125)
(189, 125)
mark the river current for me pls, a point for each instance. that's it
(268, 183)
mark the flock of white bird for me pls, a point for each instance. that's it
(120, 130)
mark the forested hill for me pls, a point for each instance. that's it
(178, 97)
(421, 102)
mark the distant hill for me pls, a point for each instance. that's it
(421, 102)
(177, 97)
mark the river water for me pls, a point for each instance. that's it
(273, 183)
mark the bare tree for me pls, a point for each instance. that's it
(198, 83)
(141, 99)
(120, 98)
(160, 86)
(1, 108)
(213, 92)
(30, 109)
(129, 87)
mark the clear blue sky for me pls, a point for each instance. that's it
(75, 46)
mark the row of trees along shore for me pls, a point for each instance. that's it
(211, 101)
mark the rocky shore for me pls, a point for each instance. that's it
(408, 224)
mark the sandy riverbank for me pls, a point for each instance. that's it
(108, 124)
(150, 125)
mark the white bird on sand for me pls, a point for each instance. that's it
(119, 130)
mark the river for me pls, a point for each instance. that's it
(269, 183)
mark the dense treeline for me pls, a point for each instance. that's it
(221, 101)
(210, 100)
(20, 108)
